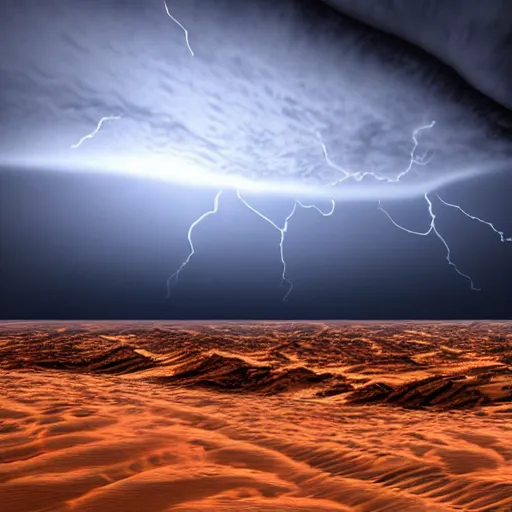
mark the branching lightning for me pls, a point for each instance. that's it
(282, 232)
(472, 217)
(432, 229)
(345, 176)
(359, 176)
(190, 242)
(95, 132)
(179, 25)
(414, 160)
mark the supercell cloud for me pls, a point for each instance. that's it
(267, 79)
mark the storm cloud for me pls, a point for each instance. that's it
(473, 37)
(268, 78)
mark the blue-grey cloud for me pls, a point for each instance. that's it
(265, 77)
(474, 37)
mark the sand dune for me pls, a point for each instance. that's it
(261, 417)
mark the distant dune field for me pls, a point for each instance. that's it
(187, 417)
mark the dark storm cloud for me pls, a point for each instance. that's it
(265, 77)
(473, 36)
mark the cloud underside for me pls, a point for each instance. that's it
(268, 85)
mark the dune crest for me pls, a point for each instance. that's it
(255, 417)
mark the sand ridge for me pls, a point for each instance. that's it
(191, 418)
(439, 365)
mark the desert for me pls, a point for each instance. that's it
(262, 416)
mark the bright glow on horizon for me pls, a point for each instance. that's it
(179, 170)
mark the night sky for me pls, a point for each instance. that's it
(77, 244)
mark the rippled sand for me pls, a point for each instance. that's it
(260, 417)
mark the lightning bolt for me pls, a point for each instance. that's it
(95, 132)
(282, 232)
(191, 243)
(321, 212)
(478, 219)
(432, 229)
(413, 160)
(346, 175)
(179, 25)
(358, 176)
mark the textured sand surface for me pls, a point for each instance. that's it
(260, 417)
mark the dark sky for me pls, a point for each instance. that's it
(103, 247)
(82, 245)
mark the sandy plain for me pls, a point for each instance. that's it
(302, 417)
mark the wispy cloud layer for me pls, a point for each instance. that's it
(266, 78)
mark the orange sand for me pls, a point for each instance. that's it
(160, 434)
